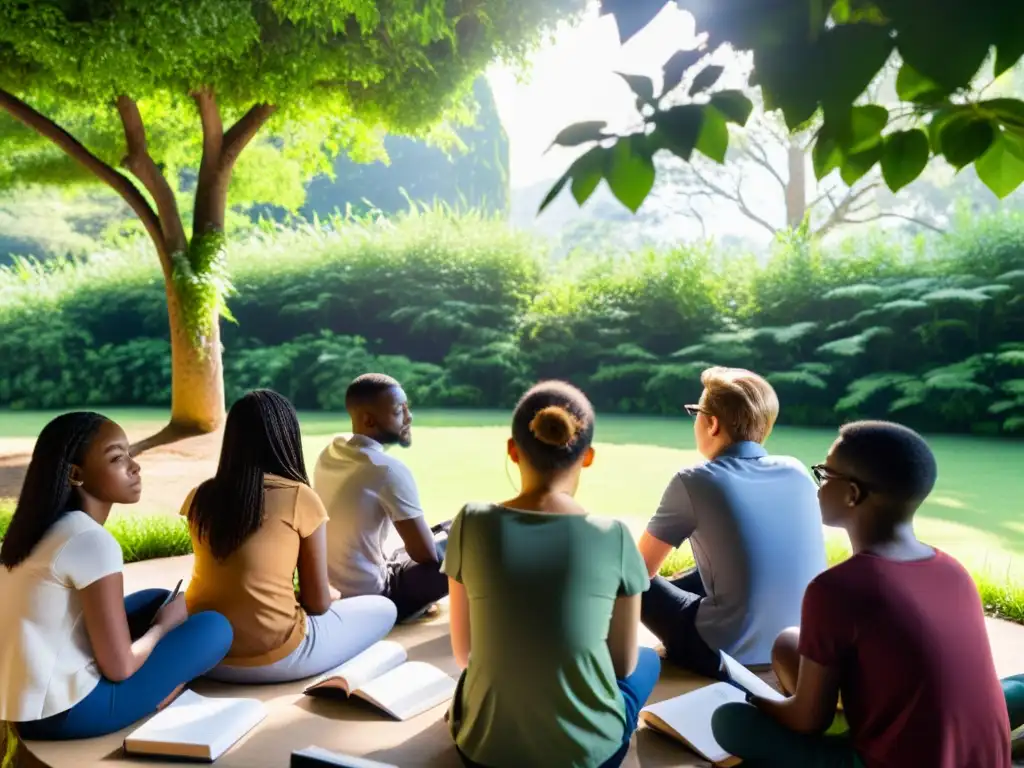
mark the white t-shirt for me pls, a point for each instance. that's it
(46, 660)
(364, 489)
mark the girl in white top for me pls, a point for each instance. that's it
(70, 637)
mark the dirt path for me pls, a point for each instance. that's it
(168, 472)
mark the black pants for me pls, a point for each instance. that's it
(413, 586)
(669, 609)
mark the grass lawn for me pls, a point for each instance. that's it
(975, 512)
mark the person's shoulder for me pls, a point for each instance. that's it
(75, 524)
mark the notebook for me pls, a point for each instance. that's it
(687, 718)
(382, 676)
(317, 757)
(196, 727)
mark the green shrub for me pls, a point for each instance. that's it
(467, 313)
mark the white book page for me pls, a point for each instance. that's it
(408, 690)
(747, 680)
(689, 715)
(214, 724)
(373, 662)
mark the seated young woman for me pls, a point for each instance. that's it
(78, 658)
(545, 607)
(252, 525)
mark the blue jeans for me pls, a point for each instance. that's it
(185, 653)
(636, 689)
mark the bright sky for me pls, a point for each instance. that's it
(574, 79)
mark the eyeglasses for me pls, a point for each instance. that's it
(823, 473)
(694, 410)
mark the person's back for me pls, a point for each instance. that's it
(545, 608)
(351, 476)
(757, 543)
(542, 587)
(753, 524)
(896, 632)
(253, 587)
(921, 686)
(254, 525)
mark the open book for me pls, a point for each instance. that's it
(687, 718)
(317, 757)
(382, 676)
(197, 727)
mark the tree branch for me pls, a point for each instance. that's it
(841, 211)
(735, 198)
(905, 217)
(760, 157)
(141, 164)
(74, 149)
(242, 132)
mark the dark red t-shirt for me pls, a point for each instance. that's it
(918, 683)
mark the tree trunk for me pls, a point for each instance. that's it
(796, 189)
(197, 375)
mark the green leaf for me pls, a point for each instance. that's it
(641, 86)
(911, 85)
(905, 156)
(851, 55)
(553, 192)
(676, 67)
(631, 15)
(581, 133)
(790, 80)
(706, 78)
(964, 140)
(713, 139)
(865, 127)
(946, 43)
(1007, 22)
(677, 129)
(630, 171)
(734, 105)
(587, 172)
(825, 156)
(1000, 168)
(856, 165)
(1009, 111)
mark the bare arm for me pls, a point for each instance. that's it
(106, 623)
(622, 635)
(813, 706)
(654, 551)
(314, 588)
(458, 611)
(418, 539)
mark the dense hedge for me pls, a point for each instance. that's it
(467, 312)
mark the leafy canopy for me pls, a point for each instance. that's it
(339, 73)
(813, 60)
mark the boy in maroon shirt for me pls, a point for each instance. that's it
(897, 629)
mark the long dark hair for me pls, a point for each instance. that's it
(261, 437)
(47, 494)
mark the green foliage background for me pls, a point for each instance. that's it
(467, 312)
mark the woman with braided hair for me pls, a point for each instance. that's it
(545, 607)
(252, 525)
(78, 658)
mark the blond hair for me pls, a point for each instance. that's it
(744, 403)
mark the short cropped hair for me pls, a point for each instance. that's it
(744, 403)
(367, 388)
(889, 458)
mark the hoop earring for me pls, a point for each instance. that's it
(76, 483)
(508, 474)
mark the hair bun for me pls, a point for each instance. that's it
(555, 426)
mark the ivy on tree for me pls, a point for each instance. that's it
(815, 58)
(159, 87)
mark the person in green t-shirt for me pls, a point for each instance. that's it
(545, 608)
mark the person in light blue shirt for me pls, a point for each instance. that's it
(752, 521)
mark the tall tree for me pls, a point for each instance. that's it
(814, 59)
(136, 91)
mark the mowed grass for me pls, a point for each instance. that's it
(975, 513)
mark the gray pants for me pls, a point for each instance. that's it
(350, 626)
